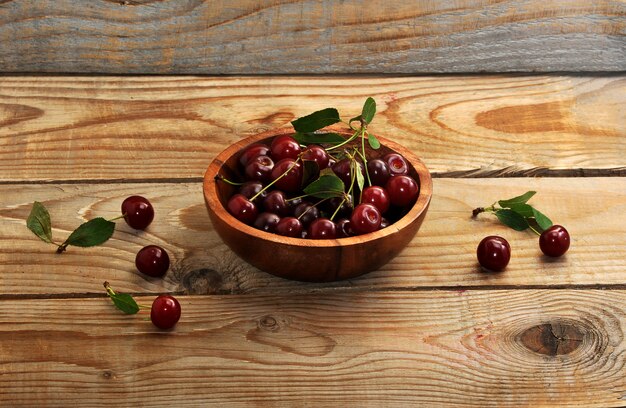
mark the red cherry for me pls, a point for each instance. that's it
(378, 171)
(554, 241)
(343, 170)
(290, 182)
(251, 188)
(377, 196)
(403, 190)
(289, 227)
(266, 222)
(152, 260)
(365, 219)
(252, 151)
(322, 228)
(493, 253)
(317, 154)
(397, 164)
(285, 147)
(344, 228)
(165, 311)
(306, 213)
(260, 169)
(242, 209)
(276, 203)
(138, 212)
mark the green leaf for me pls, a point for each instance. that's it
(373, 141)
(360, 180)
(543, 221)
(316, 120)
(38, 222)
(517, 200)
(91, 233)
(326, 186)
(524, 210)
(319, 138)
(369, 110)
(512, 219)
(310, 171)
(124, 302)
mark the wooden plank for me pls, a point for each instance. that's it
(539, 348)
(86, 128)
(251, 37)
(441, 255)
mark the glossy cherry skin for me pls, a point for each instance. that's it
(554, 241)
(252, 151)
(306, 213)
(344, 228)
(242, 209)
(285, 147)
(397, 164)
(322, 228)
(384, 223)
(289, 227)
(377, 196)
(290, 182)
(378, 171)
(260, 169)
(318, 154)
(343, 170)
(266, 222)
(138, 212)
(251, 188)
(152, 260)
(276, 203)
(402, 190)
(365, 219)
(344, 203)
(493, 253)
(165, 312)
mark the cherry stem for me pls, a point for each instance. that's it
(295, 163)
(363, 132)
(118, 217)
(332, 217)
(348, 140)
(534, 230)
(314, 205)
(227, 181)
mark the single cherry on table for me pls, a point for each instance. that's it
(138, 212)
(494, 253)
(152, 260)
(165, 312)
(554, 241)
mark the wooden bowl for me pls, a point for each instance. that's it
(307, 259)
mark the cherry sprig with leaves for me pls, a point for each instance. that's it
(517, 214)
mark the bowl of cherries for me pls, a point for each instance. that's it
(318, 202)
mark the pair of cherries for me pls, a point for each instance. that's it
(151, 260)
(494, 252)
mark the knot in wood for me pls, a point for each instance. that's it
(269, 323)
(107, 374)
(203, 281)
(553, 338)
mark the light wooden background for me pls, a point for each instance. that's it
(311, 36)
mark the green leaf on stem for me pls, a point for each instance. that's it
(91, 233)
(517, 200)
(369, 110)
(38, 222)
(310, 171)
(326, 186)
(318, 138)
(122, 301)
(373, 141)
(316, 120)
(360, 180)
(543, 221)
(524, 210)
(512, 219)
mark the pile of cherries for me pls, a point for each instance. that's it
(272, 198)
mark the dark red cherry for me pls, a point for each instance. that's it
(260, 169)
(365, 219)
(289, 227)
(152, 260)
(377, 196)
(396, 163)
(276, 203)
(252, 151)
(402, 190)
(343, 170)
(317, 154)
(285, 147)
(344, 203)
(138, 212)
(165, 312)
(292, 180)
(242, 209)
(493, 253)
(251, 188)
(554, 241)
(344, 228)
(384, 223)
(306, 213)
(378, 171)
(267, 222)
(322, 228)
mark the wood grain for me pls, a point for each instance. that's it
(137, 128)
(435, 349)
(441, 255)
(312, 36)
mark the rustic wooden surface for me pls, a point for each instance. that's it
(313, 36)
(427, 329)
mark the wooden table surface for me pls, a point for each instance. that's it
(428, 329)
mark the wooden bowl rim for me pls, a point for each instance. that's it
(212, 200)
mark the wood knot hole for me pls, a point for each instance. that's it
(269, 323)
(108, 374)
(553, 339)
